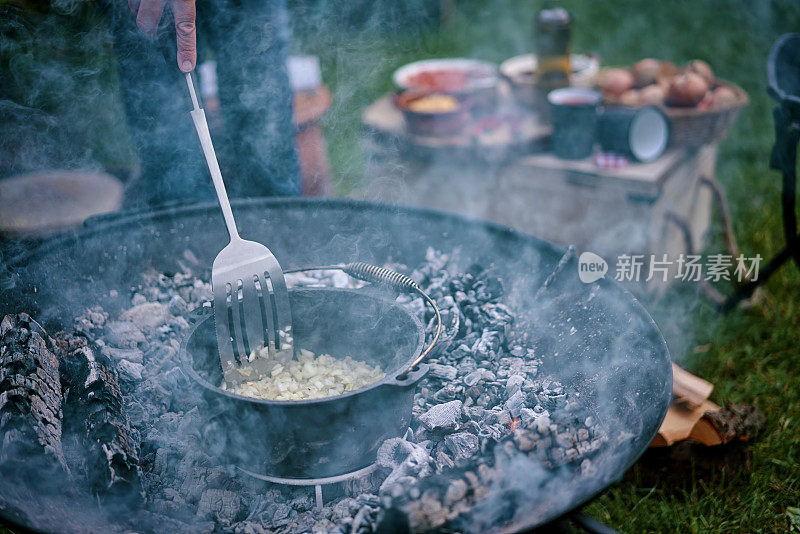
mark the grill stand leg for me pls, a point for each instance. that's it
(318, 495)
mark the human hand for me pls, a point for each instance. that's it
(148, 15)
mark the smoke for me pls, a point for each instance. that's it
(61, 107)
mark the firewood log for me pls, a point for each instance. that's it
(30, 400)
(94, 410)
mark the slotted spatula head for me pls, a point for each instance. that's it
(251, 303)
(251, 310)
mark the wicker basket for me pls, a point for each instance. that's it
(691, 128)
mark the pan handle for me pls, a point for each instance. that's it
(399, 281)
(409, 377)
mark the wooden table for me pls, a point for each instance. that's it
(662, 207)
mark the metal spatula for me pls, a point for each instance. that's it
(251, 302)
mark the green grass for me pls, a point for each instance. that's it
(750, 355)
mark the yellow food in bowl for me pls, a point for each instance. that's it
(435, 103)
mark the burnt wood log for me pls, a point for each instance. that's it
(740, 422)
(94, 411)
(30, 400)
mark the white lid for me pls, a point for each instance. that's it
(649, 134)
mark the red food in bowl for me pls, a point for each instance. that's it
(439, 80)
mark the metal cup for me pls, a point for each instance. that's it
(641, 134)
(573, 113)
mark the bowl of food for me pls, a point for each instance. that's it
(459, 77)
(700, 107)
(433, 114)
(520, 73)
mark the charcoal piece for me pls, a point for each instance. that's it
(426, 513)
(456, 491)
(91, 320)
(565, 440)
(130, 371)
(131, 355)
(443, 461)
(477, 413)
(442, 372)
(369, 499)
(362, 520)
(527, 416)
(323, 526)
(488, 345)
(147, 316)
(345, 508)
(516, 403)
(123, 334)
(478, 375)
(460, 352)
(445, 416)
(31, 400)
(448, 393)
(177, 306)
(94, 409)
(222, 505)
(487, 400)
(404, 459)
(489, 289)
(462, 445)
(514, 384)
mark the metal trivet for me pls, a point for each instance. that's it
(318, 483)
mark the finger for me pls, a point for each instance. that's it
(134, 6)
(187, 35)
(149, 15)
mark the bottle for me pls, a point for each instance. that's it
(553, 47)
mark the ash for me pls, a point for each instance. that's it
(483, 408)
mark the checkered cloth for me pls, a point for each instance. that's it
(610, 160)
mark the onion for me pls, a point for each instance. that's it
(723, 97)
(646, 71)
(701, 68)
(613, 82)
(652, 95)
(630, 98)
(308, 377)
(687, 90)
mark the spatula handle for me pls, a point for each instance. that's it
(201, 125)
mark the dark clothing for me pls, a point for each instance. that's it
(249, 41)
